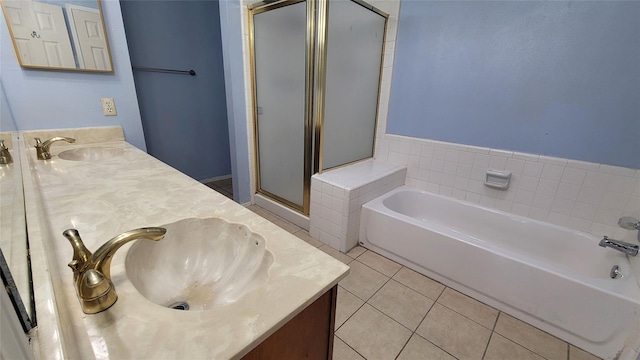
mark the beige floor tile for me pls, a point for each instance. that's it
(501, 348)
(579, 354)
(420, 349)
(267, 215)
(362, 280)
(286, 225)
(379, 263)
(420, 283)
(454, 333)
(534, 339)
(356, 251)
(304, 235)
(335, 253)
(347, 304)
(254, 208)
(342, 351)
(401, 304)
(473, 309)
(373, 334)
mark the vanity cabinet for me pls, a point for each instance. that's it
(309, 335)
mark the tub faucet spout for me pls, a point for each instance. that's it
(629, 249)
(92, 271)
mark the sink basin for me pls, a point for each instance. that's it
(90, 153)
(201, 264)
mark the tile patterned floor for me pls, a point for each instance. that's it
(225, 187)
(387, 311)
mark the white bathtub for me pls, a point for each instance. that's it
(554, 278)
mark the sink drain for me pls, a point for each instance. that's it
(181, 305)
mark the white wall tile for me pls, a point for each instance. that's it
(614, 200)
(524, 197)
(633, 205)
(596, 179)
(533, 169)
(590, 195)
(471, 197)
(481, 161)
(568, 191)
(539, 214)
(552, 160)
(464, 170)
(526, 157)
(548, 187)
(487, 201)
(607, 216)
(450, 168)
(439, 153)
(519, 209)
(452, 155)
(516, 166)
(542, 201)
(461, 183)
(528, 183)
(562, 206)
(458, 194)
(621, 183)
(577, 164)
(437, 165)
(584, 211)
(497, 162)
(552, 172)
(573, 176)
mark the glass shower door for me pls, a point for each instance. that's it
(355, 41)
(279, 45)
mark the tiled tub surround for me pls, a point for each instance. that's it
(535, 271)
(337, 197)
(133, 190)
(579, 195)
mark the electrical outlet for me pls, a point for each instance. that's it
(108, 107)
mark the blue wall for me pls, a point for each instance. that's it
(231, 28)
(184, 117)
(42, 99)
(6, 116)
(555, 78)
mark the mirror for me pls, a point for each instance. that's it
(58, 34)
(14, 261)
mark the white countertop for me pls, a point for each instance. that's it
(103, 199)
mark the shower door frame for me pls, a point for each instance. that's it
(315, 85)
(320, 86)
(258, 8)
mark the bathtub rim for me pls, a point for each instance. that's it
(630, 279)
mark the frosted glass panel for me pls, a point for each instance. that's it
(354, 52)
(280, 43)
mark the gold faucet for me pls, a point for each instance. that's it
(92, 272)
(5, 155)
(42, 148)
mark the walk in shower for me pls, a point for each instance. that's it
(316, 68)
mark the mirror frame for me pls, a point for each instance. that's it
(19, 282)
(39, 67)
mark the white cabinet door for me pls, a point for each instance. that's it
(40, 33)
(89, 38)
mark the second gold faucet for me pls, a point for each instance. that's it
(42, 148)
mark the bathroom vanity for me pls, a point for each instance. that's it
(102, 186)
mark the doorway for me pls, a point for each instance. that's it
(184, 116)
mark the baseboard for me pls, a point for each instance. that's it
(215, 178)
